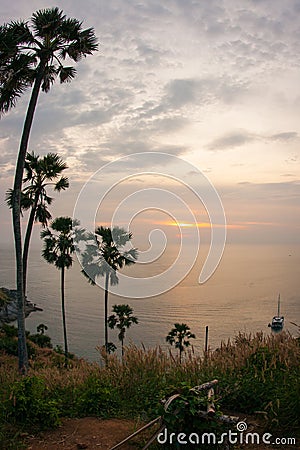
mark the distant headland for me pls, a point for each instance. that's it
(8, 306)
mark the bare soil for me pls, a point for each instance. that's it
(88, 433)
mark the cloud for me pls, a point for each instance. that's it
(284, 137)
(232, 140)
(241, 137)
(162, 69)
(182, 92)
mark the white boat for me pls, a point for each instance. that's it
(277, 321)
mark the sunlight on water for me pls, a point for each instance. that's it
(240, 296)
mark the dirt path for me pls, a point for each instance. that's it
(88, 433)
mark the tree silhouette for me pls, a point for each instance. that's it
(41, 328)
(122, 319)
(180, 336)
(104, 258)
(58, 249)
(32, 56)
(41, 172)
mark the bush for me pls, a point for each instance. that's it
(9, 330)
(182, 416)
(29, 403)
(97, 398)
(42, 340)
(10, 346)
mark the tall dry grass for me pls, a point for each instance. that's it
(255, 372)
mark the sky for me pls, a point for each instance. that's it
(214, 84)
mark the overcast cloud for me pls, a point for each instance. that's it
(215, 82)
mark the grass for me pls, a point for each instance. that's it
(255, 373)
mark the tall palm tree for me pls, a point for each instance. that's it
(180, 335)
(32, 56)
(122, 319)
(58, 249)
(105, 258)
(40, 173)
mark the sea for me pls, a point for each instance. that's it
(241, 296)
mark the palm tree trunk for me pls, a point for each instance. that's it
(180, 350)
(106, 311)
(27, 242)
(62, 288)
(122, 343)
(16, 214)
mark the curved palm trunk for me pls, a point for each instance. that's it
(16, 214)
(27, 242)
(62, 289)
(106, 311)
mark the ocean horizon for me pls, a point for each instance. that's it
(241, 296)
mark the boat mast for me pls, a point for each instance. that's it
(278, 313)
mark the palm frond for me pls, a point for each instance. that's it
(13, 35)
(9, 198)
(26, 200)
(66, 74)
(42, 215)
(113, 277)
(62, 224)
(84, 44)
(16, 75)
(46, 22)
(50, 74)
(130, 256)
(51, 39)
(69, 29)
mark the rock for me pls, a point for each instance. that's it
(9, 311)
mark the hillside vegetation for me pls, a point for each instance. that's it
(257, 374)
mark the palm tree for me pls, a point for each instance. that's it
(180, 335)
(122, 319)
(40, 173)
(105, 258)
(58, 249)
(32, 57)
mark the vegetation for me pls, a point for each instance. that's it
(9, 342)
(32, 56)
(180, 335)
(4, 300)
(40, 172)
(58, 249)
(104, 258)
(255, 373)
(122, 319)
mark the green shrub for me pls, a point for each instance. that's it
(96, 397)
(9, 330)
(10, 346)
(58, 349)
(29, 403)
(42, 340)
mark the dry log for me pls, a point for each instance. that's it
(211, 410)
